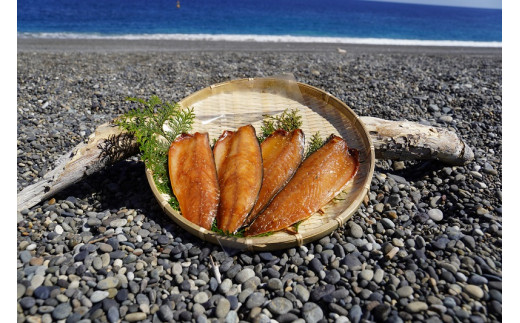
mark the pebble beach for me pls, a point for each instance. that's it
(425, 245)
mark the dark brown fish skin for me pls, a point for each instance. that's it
(318, 179)
(238, 159)
(282, 154)
(193, 176)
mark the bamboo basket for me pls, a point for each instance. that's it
(229, 105)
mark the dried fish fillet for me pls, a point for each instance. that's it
(317, 181)
(239, 168)
(282, 153)
(194, 178)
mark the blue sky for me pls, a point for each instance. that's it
(490, 4)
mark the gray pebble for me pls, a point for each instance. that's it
(279, 305)
(416, 307)
(201, 297)
(223, 308)
(435, 215)
(405, 291)
(61, 311)
(98, 296)
(312, 313)
(244, 275)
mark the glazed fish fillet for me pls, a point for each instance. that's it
(194, 178)
(239, 167)
(317, 181)
(282, 153)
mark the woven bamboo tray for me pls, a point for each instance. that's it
(229, 105)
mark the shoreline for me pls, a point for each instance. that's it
(174, 45)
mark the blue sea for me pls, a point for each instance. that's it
(341, 21)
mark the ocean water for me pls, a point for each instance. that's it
(342, 21)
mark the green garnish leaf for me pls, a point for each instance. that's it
(297, 225)
(288, 121)
(148, 124)
(265, 234)
(214, 228)
(315, 143)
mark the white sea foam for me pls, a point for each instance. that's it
(267, 38)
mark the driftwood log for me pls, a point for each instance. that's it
(398, 140)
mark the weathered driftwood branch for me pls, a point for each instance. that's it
(107, 145)
(400, 140)
(405, 140)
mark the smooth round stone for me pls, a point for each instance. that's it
(287, 318)
(312, 313)
(233, 301)
(256, 299)
(109, 282)
(355, 314)
(97, 263)
(352, 262)
(321, 291)
(225, 286)
(98, 296)
(469, 241)
(275, 284)
(105, 247)
(387, 223)
(231, 317)
(381, 312)
(355, 230)
(20, 290)
(415, 307)
(244, 275)
(113, 314)
(474, 291)
(25, 256)
(332, 276)
(118, 223)
(405, 291)
(315, 265)
(198, 309)
(165, 313)
(477, 280)
(37, 281)
(301, 292)
(435, 214)
(58, 229)
(105, 259)
(280, 305)
(223, 308)
(176, 269)
(142, 299)
(61, 311)
(367, 274)
(36, 261)
(42, 292)
(201, 298)
(27, 302)
(122, 295)
(378, 275)
(136, 316)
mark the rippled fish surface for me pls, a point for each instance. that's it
(239, 167)
(282, 153)
(319, 178)
(194, 178)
